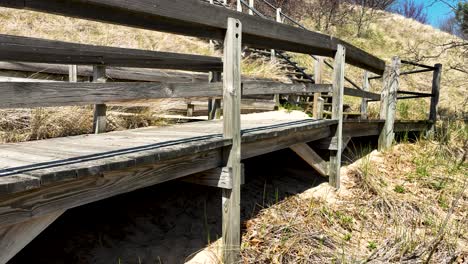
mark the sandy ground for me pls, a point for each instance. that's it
(167, 223)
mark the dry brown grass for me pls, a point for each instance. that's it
(407, 205)
(41, 123)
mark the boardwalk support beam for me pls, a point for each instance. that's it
(337, 113)
(99, 120)
(232, 130)
(388, 103)
(311, 157)
(218, 177)
(14, 238)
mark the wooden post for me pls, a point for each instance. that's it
(320, 106)
(251, 5)
(232, 130)
(318, 80)
(239, 6)
(73, 73)
(214, 105)
(337, 114)
(388, 103)
(435, 96)
(279, 20)
(190, 109)
(365, 87)
(273, 60)
(99, 121)
(211, 42)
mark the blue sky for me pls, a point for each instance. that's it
(437, 11)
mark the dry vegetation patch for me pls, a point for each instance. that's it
(407, 205)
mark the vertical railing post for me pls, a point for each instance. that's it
(337, 114)
(273, 58)
(99, 120)
(436, 78)
(214, 105)
(389, 102)
(239, 6)
(73, 73)
(251, 5)
(365, 87)
(232, 130)
(318, 80)
(211, 42)
(279, 20)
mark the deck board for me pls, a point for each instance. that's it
(28, 165)
(68, 158)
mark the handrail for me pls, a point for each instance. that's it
(314, 57)
(205, 21)
(269, 4)
(417, 64)
(414, 93)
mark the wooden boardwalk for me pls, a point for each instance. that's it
(123, 161)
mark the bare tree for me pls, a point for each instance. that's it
(449, 25)
(411, 9)
(328, 13)
(365, 12)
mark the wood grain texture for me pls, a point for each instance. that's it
(218, 177)
(24, 49)
(337, 113)
(311, 157)
(232, 130)
(41, 94)
(206, 21)
(362, 94)
(318, 69)
(99, 116)
(389, 103)
(113, 73)
(365, 88)
(14, 238)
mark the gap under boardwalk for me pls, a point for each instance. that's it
(165, 223)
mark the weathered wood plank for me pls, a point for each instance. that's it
(217, 177)
(337, 113)
(113, 73)
(318, 69)
(365, 88)
(311, 157)
(203, 20)
(22, 95)
(13, 238)
(48, 199)
(389, 103)
(437, 76)
(15, 48)
(99, 117)
(362, 94)
(232, 130)
(73, 73)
